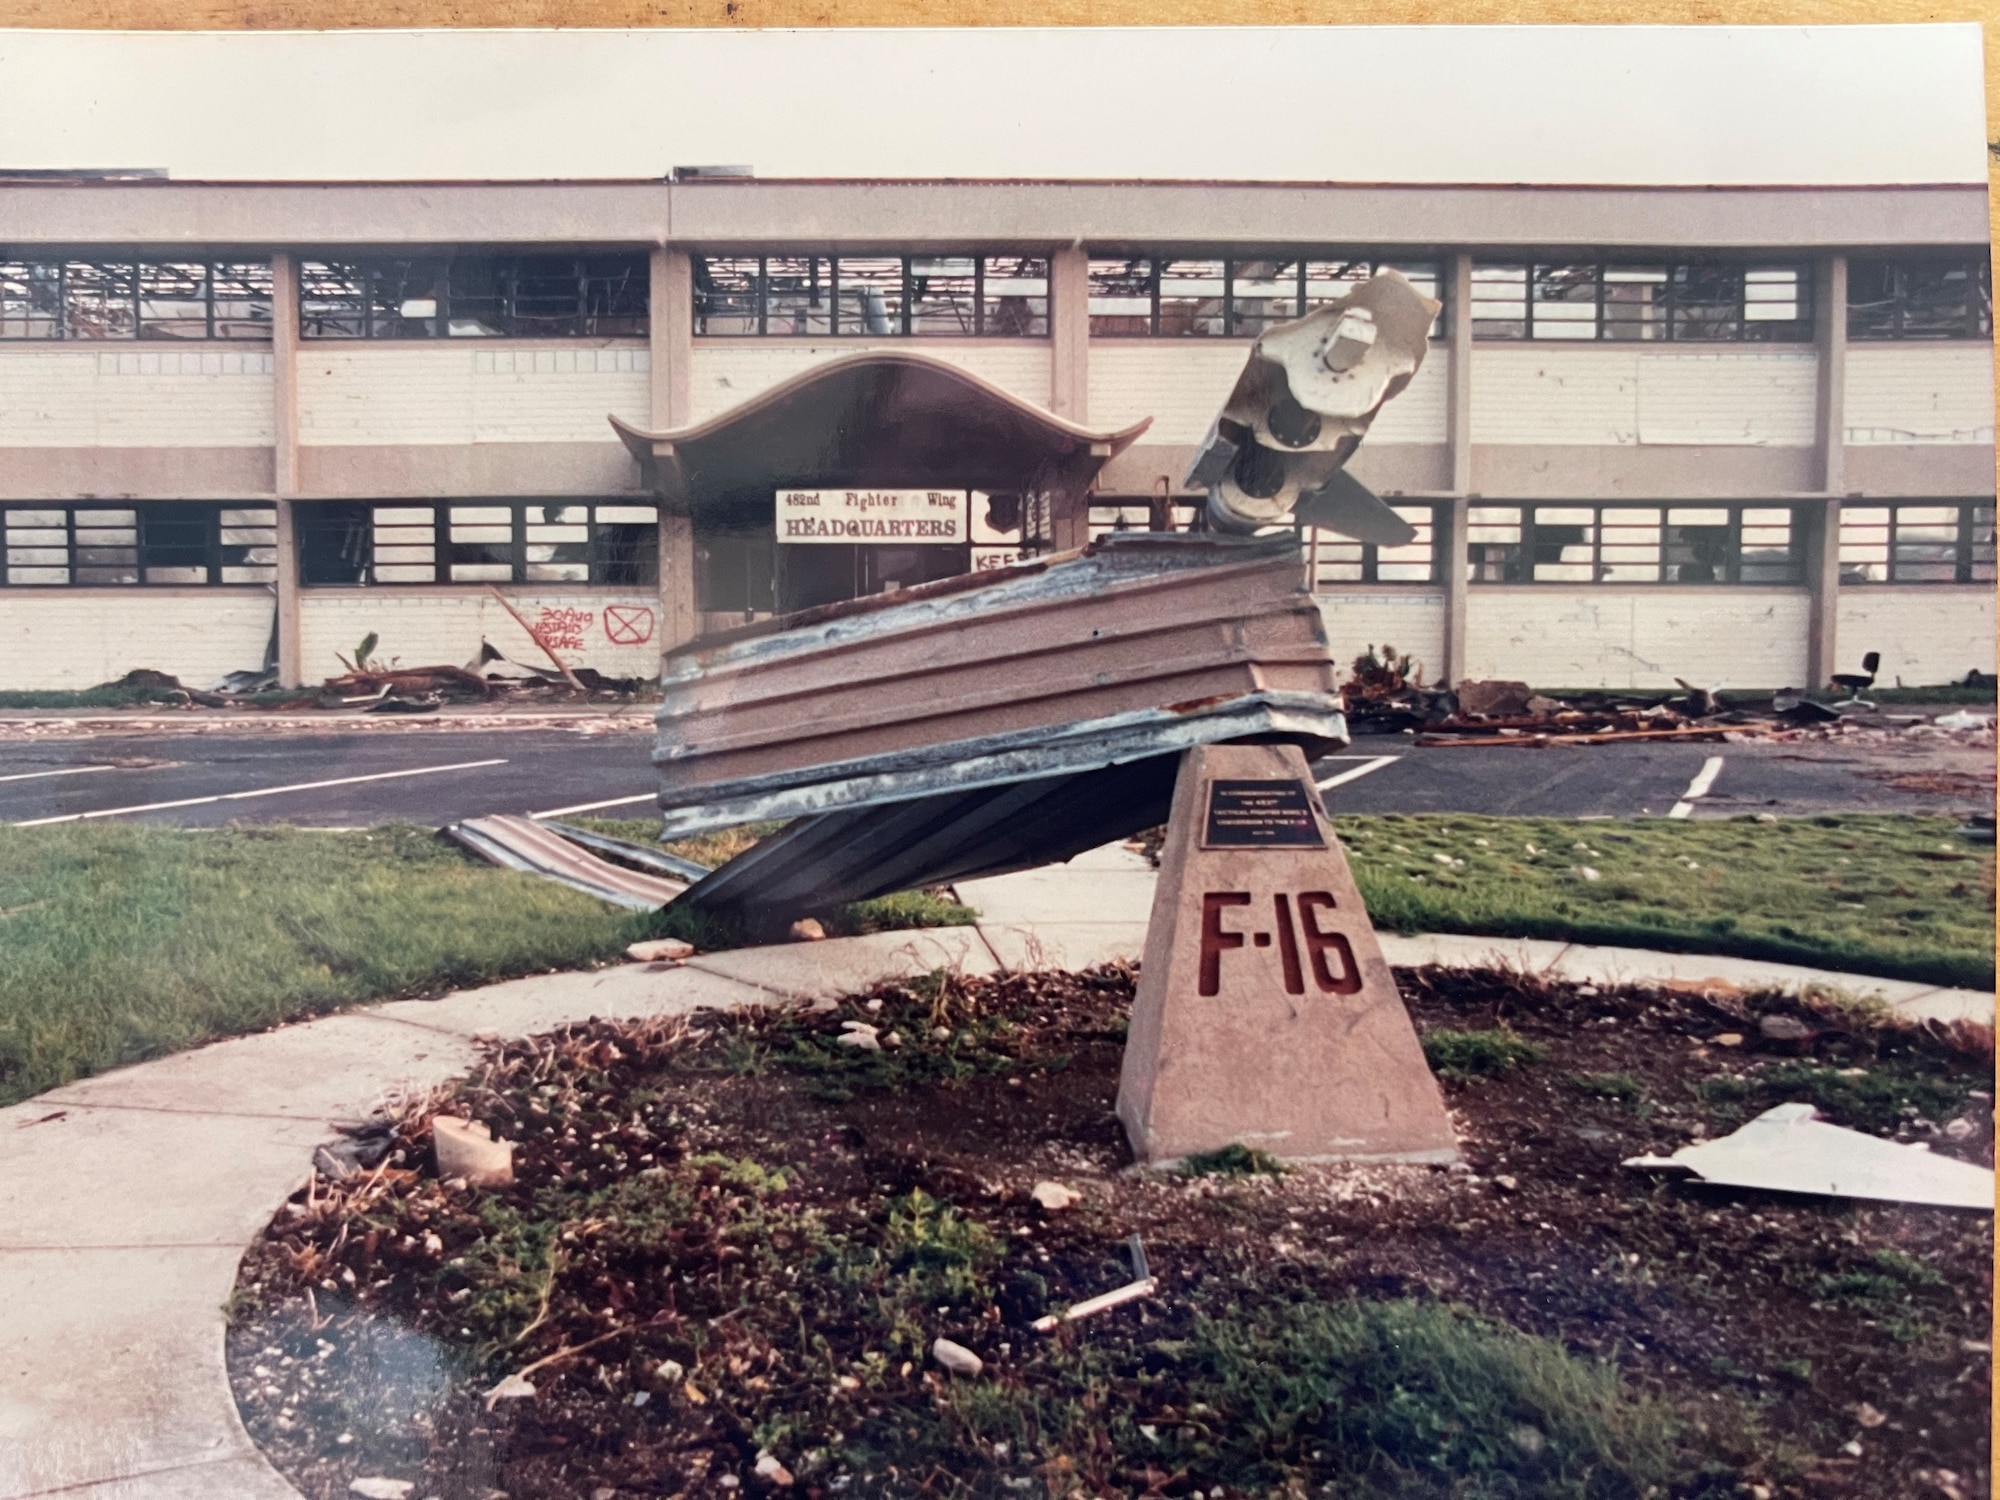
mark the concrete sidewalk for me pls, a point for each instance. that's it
(126, 1200)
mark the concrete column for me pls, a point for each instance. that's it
(1448, 537)
(285, 457)
(671, 320)
(1069, 334)
(1821, 541)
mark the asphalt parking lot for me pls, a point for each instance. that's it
(335, 778)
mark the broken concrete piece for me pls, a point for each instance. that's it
(660, 950)
(466, 1148)
(1054, 1197)
(956, 1358)
(1791, 1150)
(808, 930)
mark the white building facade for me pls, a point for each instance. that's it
(1737, 436)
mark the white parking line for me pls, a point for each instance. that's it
(1698, 788)
(267, 791)
(581, 807)
(1370, 764)
(67, 771)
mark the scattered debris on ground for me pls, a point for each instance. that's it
(1385, 694)
(738, 1255)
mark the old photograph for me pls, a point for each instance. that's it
(1204, 762)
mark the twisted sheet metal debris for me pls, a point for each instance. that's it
(1791, 1150)
(534, 848)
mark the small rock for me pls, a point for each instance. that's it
(1507, 1184)
(1958, 1130)
(660, 950)
(1852, 1447)
(768, 1468)
(940, 1033)
(1728, 1039)
(956, 1357)
(669, 1372)
(466, 1148)
(374, 1488)
(1784, 1028)
(604, 1492)
(808, 930)
(433, 1245)
(1767, 817)
(1868, 1416)
(893, 1039)
(1587, 873)
(873, 1007)
(1529, 1439)
(729, 1481)
(513, 1388)
(860, 1036)
(1054, 1197)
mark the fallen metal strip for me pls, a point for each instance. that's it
(519, 844)
(624, 851)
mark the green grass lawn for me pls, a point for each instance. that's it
(119, 943)
(1899, 897)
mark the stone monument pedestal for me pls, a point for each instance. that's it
(1265, 1013)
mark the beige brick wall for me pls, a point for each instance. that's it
(443, 627)
(1926, 635)
(62, 638)
(1613, 396)
(1919, 393)
(132, 396)
(727, 372)
(1637, 637)
(1182, 383)
(1412, 621)
(358, 395)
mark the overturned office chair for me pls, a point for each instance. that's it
(1857, 682)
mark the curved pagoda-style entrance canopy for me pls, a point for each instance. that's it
(878, 421)
(883, 419)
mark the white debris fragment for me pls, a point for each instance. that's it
(669, 1372)
(1587, 873)
(768, 1468)
(1791, 1150)
(1054, 1196)
(466, 1148)
(373, 1487)
(956, 1357)
(513, 1388)
(859, 1034)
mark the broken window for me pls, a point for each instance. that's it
(1146, 297)
(872, 296)
(1341, 559)
(90, 299)
(1933, 542)
(142, 542)
(478, 541)
(1631, 544)
(1591, 300)
(475, 295)
(1920, 299)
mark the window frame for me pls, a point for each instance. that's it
(1980, 321)
(1524, 562)
(215, 553)
(1298, 261)
(363, 282)
(1966, 563)
(600, 563)
(1676, 322)
(905, 316)
(129, 276)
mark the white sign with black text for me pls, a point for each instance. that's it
(923, 517)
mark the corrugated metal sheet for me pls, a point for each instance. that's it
(1140, 644)
(534, 849)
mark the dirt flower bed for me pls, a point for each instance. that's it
(732, 1240)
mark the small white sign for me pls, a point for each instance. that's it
(924, 517)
